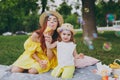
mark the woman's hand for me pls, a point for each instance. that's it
(48, 37)
(43, 63)
(48, 40)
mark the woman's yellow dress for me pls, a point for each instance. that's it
(26, 61)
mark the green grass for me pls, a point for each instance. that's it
(12, 46)
(106, 57)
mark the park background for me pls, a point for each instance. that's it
(23, 15)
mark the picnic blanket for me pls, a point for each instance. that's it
(80, 74)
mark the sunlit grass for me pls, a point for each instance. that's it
(106, 57)
(12, 46)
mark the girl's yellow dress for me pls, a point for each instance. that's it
(26, 61)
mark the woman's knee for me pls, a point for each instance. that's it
(32, 71)
(16, 69)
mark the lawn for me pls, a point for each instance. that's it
(12, 46)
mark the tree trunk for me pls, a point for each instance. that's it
(89, 26)
(44, 3)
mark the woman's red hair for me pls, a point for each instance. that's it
(41, 36)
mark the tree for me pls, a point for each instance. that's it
(104, 8)
(73, 19)
(88, 12)
(44, 3)
(64, 9)
(13, 14)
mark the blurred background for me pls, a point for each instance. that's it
(22, 16)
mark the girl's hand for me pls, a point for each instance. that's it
(43, 63)
(80, 56)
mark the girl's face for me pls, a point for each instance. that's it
(52, 22)
(65, 35)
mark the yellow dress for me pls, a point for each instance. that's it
(26, 61)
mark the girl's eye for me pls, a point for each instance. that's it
(68, 34)
(64, 34)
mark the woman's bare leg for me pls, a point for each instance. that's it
(32, 71)
(16, 69)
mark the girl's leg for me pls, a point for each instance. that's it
(17, 69)
(56, 71)
(68, 72)
(32, 71)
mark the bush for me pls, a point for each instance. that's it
(73, 19)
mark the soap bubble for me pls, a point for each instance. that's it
(91, 47)
(88, 42)
(107, 46)
(117, 33)
(95, 35)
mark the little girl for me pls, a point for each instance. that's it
(66, 52)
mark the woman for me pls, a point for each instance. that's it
(37, 58)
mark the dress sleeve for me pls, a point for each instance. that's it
(30, 45)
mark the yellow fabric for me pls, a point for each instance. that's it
(65, 72)
(26, 61)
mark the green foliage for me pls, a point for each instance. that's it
(44, 3)
(102, 9)
(11, 47)
(73, 19)
(13, 14)
(64, 9)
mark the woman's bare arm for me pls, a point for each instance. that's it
(50, 54)
(43, 63)
(51, 45)
(35, 37)
(36, 57)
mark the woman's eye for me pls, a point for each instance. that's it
(48, 20)
(68, 34)
(55, 20)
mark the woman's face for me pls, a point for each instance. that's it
(52, 22)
